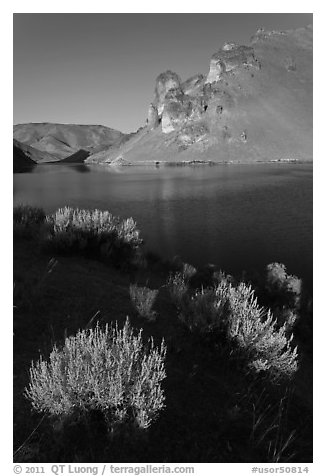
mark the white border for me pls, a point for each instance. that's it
(319, 199)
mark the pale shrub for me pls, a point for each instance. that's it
(143, 299)
(234, 313)
(256, 332)
(188, 271)
(95, 222)
(93, 231)
(109, 370)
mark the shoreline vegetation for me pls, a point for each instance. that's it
(120, 355)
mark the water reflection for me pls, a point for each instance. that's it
(82, 168)
(109, 169)
(58, 166)
(238, 217)
(24, 169)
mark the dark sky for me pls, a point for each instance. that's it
(101, 68)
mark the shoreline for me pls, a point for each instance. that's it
(183, 163)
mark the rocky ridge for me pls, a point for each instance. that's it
(254, 104)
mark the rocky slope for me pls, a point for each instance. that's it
(253, 104)
(63, 140)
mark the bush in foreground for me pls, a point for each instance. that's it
(93, 232)
(143, 299)
(257, 333)
(233, 312)
(109, 370)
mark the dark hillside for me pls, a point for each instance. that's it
(78, 157)
(21, 160)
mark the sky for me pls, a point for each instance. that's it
(85, 68)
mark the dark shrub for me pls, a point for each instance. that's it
(27, 220)
(284, 288)
(178, 287)
(28, 215)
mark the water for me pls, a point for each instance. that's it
(240, 217)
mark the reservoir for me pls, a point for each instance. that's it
(238, 217)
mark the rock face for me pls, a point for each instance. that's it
(177, 108)
(63, 140)
(229, 57)
(164, 83)
(254, 104)
(216, 69)
(152, 118)
(191, 85)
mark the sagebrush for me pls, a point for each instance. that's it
(93, 232)
(109, 370)
(143, 299)
(188, 271)
(256, 331)
(201, 310)
(283, 287)
(233, 312)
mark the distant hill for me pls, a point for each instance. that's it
(26, 156)
(254, 103)
(76, 158)
(63, 140)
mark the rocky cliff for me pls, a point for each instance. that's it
(58, 141)
(254, 103)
